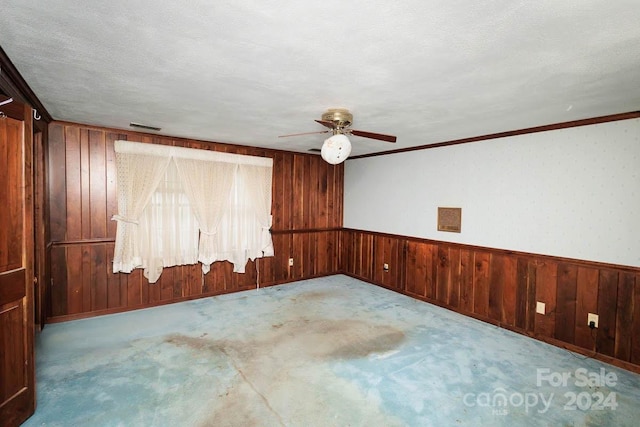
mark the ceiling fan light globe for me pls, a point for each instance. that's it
(336, 149)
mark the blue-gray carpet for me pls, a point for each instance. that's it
(332, 351)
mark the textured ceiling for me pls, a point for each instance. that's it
(246, 71)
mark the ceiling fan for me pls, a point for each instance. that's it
(338, 147)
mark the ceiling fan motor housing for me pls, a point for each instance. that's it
(341, 117)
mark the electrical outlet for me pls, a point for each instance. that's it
(540, 307)
(290, 262)
(592, 317)
(385, 267)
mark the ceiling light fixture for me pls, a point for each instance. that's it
(336, 149)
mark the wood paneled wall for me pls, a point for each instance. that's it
(502, 288)
(306, 208)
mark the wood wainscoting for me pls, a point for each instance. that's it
(502, 287)
(307, 217)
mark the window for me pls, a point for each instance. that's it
(180, 206)
(168, 230)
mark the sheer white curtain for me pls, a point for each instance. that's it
(162, 204)
(258, 182)
(138, 177)
(239, 237)
(168, 229)
(208, 186)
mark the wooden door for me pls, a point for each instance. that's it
(17, 373)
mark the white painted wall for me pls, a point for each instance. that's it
(572, 193)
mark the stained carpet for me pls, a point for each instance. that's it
(332, 351)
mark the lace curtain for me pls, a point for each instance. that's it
(241, 233)
(226, 196)
(258, 179)
(138, 177)
(167, 229)
(203, 180)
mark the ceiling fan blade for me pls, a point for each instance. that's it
(380, 136)
(303, 133)
(327, 123)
